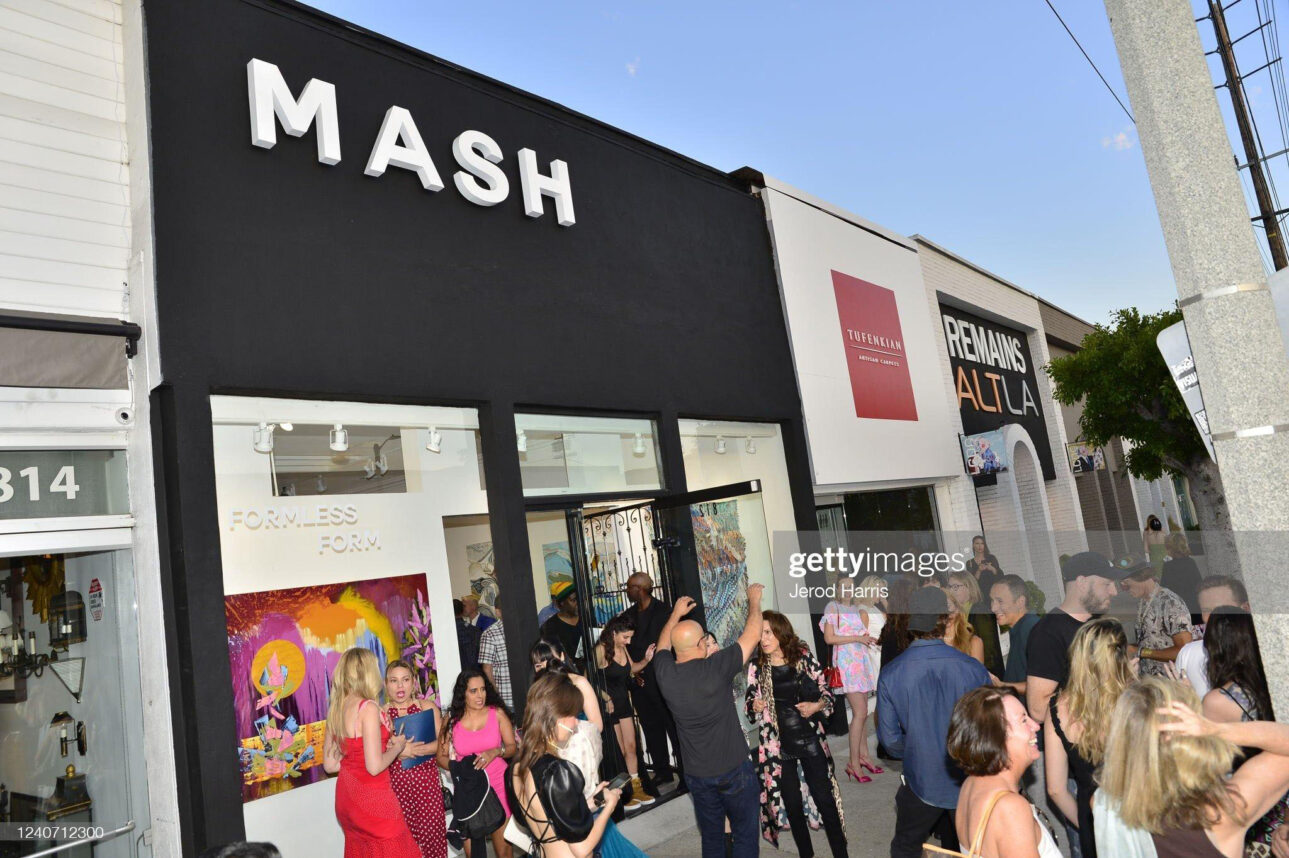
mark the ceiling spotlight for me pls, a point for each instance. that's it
(263, 435)
(339, 438)
(369, 469)
(288, 490)
(521, 441)
(286, 427)
(751, 446)
(720, 445)
(382, 465)
(638, 448)
(320, 484)
(435, 444)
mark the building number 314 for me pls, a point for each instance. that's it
(64, 482)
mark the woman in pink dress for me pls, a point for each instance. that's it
(359, 747)
(846, 630)
(420, 794)
(478, 723)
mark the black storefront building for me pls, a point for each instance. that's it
(422, 333)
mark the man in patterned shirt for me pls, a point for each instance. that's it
(492, 658)
(1163, 620)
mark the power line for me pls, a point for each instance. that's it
(1089, 59)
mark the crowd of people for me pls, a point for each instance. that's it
(1015, 729)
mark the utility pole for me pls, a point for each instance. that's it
(1234, 86)
(1222, 290)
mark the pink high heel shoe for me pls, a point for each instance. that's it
(877, 770)
(851, 773)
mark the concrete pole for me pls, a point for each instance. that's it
(1222, 289)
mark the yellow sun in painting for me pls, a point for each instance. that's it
(278, 666)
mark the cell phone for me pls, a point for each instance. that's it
(618, 782)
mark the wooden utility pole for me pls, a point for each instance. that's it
(1233, 85)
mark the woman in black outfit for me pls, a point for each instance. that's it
(1079, 720)
(786, 690)
(618, 671)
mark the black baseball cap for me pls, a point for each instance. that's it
(1089, 563)
(926, 606)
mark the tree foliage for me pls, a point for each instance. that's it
(1127, 391)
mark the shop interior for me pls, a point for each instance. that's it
(352, 502)
(71, 742)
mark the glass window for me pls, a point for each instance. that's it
(347, 524)
(74, 750)
(563, 455)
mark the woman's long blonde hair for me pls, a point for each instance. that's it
(1099, 672)
(872, 588)
(1159, 781)
(960, 631)
(973, 588)
(357, 675)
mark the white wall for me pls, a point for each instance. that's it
(64, 179)
(812, 239)
(412, 539)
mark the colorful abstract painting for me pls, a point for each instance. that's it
(722, 567)
(283, 646)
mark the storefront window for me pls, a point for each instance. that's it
(567, 455)
(721, 453)
(70, 707)
(347, 524)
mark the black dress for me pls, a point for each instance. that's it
(797, 736)
(1083, 773)
(617, 678)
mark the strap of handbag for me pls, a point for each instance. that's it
(977, 841)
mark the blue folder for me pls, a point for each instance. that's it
(417, 727)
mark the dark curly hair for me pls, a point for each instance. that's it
(457, 708)
(792, 647)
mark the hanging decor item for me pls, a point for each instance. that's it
(44, 577)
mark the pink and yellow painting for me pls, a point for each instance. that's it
(283, 646)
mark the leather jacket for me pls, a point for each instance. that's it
(560, 790)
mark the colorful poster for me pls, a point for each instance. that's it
(558, 562)
(874, 341)
(1085, 459)
(722, 567)
(482, 572)
(985, 453)
(283, 646)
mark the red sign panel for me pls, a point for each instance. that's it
(870, 330)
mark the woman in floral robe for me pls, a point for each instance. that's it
(786, 690)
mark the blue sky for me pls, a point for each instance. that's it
(978, 125)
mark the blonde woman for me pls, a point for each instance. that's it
(846, 627)
(360, 748)
(1076, 729)
(1166, 766)
(963, 592)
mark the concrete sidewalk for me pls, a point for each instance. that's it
(670, 832)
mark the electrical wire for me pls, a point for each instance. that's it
(1109, 88)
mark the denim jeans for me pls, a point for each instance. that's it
(735, 795)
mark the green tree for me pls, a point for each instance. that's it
(1127, 391)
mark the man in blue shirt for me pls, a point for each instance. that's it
(916, 694)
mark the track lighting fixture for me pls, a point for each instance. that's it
(521, 441)
(320, 484)
(263, 438)
(286, 427)
(638, 448)
(369, 469)
(435, 444)
(339, 438)
(720, 445)
(751, 446)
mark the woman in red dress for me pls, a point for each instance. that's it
(360, 748)
(419, 791)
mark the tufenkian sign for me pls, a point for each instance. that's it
(398, 144)
(994, 379)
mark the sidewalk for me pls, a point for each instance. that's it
(670, 832)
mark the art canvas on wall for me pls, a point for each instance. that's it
(283, 646)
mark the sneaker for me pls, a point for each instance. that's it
(633, 803)
(639, 795)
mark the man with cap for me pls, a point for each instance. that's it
(649, 615)
(1163, 619)
(1090, 582)
(565, 628)
(916, 694)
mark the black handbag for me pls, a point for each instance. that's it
(808, 692)
(476, 809)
